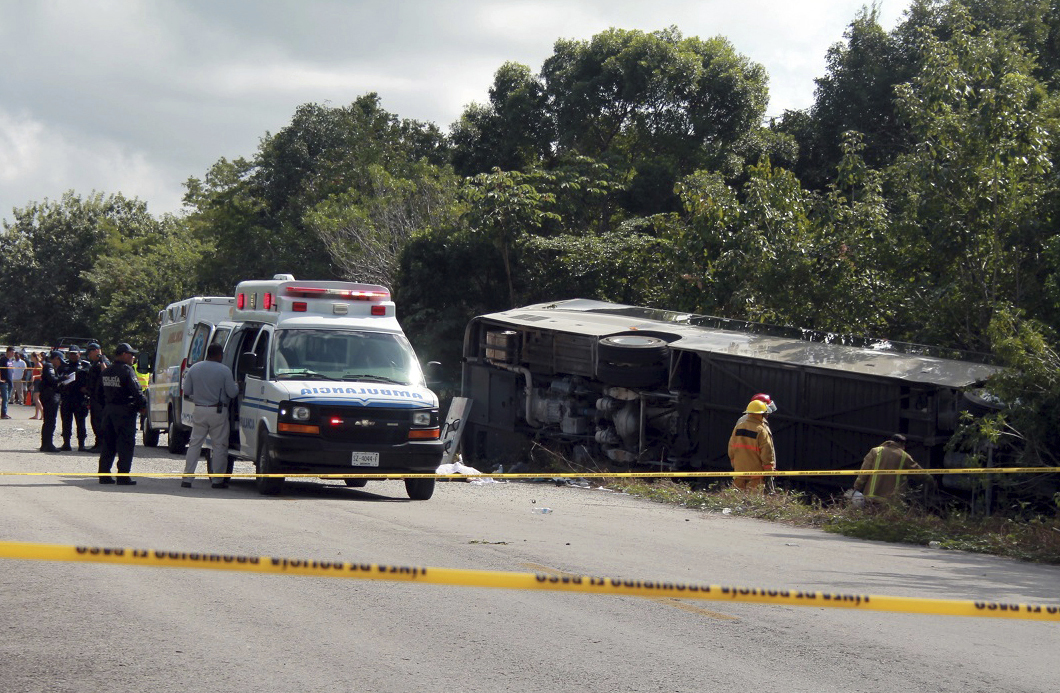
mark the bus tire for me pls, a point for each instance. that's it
(632, 348)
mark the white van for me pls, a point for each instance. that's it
(186, 328)
(329, 384)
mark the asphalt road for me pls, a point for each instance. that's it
(88, 627)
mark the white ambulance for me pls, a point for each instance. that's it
(329, 384)
(185, 329)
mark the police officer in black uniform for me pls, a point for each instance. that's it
(124, 400)
(49, 398)
(73, 405)
(97, 362)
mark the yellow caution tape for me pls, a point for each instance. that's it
(570, 475)
(523, 581)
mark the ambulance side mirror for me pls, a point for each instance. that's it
(144, 361)
(433, 374)
(248, 364)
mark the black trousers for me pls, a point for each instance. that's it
(119, 437)
(51, 412)
(95, 413)
(71, 412)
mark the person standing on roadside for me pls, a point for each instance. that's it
(36, 363)
(124, 400)
(73, 407)
(210, 385)
(97, 362)
(751, 446)
(6, 380)
(18, 382)
(49, 399)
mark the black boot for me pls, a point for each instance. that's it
(65, 447)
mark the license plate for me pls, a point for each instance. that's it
(365, 459)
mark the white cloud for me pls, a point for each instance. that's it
(38, 163)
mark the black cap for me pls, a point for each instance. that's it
(124, 348)
(73, 349)
(53, 354)
(90, 346)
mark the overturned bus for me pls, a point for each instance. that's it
(647, 387)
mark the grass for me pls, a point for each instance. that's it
(1035, 539)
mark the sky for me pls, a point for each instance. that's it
(136, 96)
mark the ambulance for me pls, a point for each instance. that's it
(328, 385)
(185, 328)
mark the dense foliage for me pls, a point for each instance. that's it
(916, 199)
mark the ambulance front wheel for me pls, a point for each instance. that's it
(270, 485)
(419, 489)
(356, 483)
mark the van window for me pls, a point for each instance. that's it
(220, 336)
(243, 342)
(380, 357)
(197, 351)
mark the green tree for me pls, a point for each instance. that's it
(365, 231)
(513, 131)
(134, 277)
(53, 245)
(972, 198)
(323, 153)
(505, 206)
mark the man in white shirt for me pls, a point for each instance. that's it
(210, 385)
(18, 372)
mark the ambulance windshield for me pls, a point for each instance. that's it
(375, 357)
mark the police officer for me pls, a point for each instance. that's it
(73, 405)
(97, 362)
(210, 385)
(124, 399)
(49, 398)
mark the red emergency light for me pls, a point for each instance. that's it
(352, 294)
(299, 306)
(266, 301)
(241, 300)
(378, 310)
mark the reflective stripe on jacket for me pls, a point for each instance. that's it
(751, 445)
(887, 456)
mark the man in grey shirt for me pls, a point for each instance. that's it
(210, 385)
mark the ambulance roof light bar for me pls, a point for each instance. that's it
(322, 292)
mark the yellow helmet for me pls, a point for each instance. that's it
(756, 406)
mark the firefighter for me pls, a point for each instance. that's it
(890, 455)
(73, 406)
(751, 446)
(124, 399)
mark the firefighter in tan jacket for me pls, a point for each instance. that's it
(890, 455)
(751, 446)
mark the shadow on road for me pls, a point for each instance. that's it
(240, 490)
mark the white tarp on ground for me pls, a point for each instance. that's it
(458, 467)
